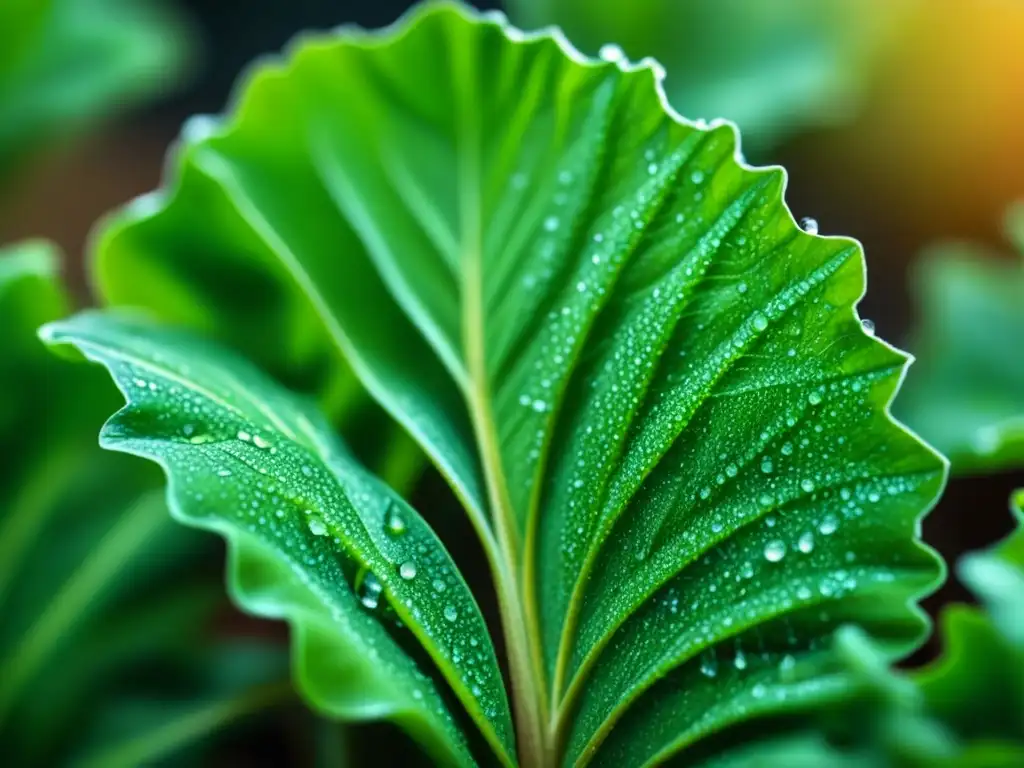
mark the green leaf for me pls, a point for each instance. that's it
(96, 581)
(649, 387)
(966, 392)
(314, 537)
(774, 68)
(66, 62)
(977, 689)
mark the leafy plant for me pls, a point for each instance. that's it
(774, 68)
(966, 394)
(646, 385)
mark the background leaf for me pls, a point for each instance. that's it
(100, 593)
(315, 538)
(67, 62)
(772, 68)
(967, 708)
(966, 392)
(639, 375)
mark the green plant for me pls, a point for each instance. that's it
(646, 385)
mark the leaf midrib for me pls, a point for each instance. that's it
(522, 644)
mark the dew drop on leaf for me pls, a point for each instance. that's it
(809, 225)
(774, 550)
(369, 591)
(394, 524)
(829, 524)
(407, 570)
(709, 663)
(451, 613)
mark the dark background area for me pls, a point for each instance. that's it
(936, 153)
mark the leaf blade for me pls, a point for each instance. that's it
(245, 426)
(623, 274)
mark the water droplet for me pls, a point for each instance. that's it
(868, 326)
(394, 524)
(758, 691)
(259, 442)
(551, 223)
(774, 551)
(828, 526)
(742, 287)
(611, 53)
(223, 473)
(766, 465)
(760, 322)
(809, 225)
(740, 662)
(317, 527)
(807, 485)
(451, 613)
(814, 398)
(709, 663)
(806, 542)
(697, 177)
(369, 591)
(439, 585)
(407, 570)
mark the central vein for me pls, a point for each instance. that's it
(530, 705)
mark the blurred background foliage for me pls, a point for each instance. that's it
(898, 123)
